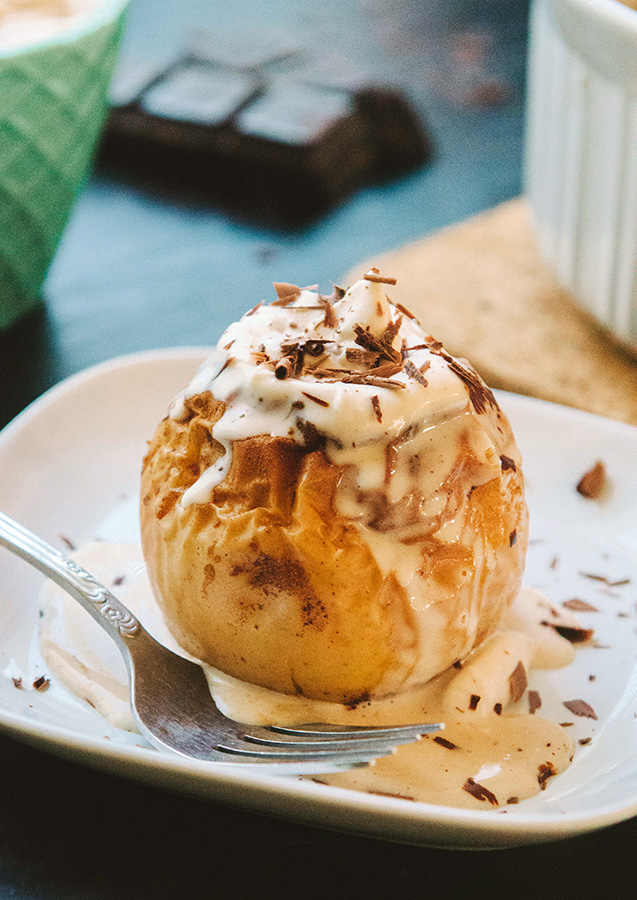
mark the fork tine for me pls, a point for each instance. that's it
(261, 753)
(318, 730)
(363, 739)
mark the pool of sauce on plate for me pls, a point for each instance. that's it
(493, 750)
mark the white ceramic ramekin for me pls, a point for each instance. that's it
(581, 152)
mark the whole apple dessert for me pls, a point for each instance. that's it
(334, 506)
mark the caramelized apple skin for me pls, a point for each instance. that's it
(268, 582)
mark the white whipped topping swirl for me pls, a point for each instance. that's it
(309, 365)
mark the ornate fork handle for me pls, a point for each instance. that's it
(105, 608)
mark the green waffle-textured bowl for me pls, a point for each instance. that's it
(53, 101)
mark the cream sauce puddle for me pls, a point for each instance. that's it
(493, 751)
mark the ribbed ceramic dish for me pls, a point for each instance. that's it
(581, 153)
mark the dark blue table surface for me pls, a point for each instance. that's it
(138, 269)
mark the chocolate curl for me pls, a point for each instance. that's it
(284, 368)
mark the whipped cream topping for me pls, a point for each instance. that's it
(357, 375)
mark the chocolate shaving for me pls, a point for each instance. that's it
(415, 373)
(579, 605)
(479, 394)
(575, 635)
(250, 312)
(377, 410)
(329, 319)
(497, 709)
(366, 339)
(513, 537)
(119, 579)
(331, 376)
(285, 367)
(518, 682)
(535, 701)
(361, 356)
(391, 331)
(378, 279)
(387, 370)
(592, 482)
(315, 399)
(405, 311)
(507, 463)
(17, 682)
(584, 741)
(390, 794)
(445, 743)
(580, 708)
(42, 683)
(479, 791)
(544, 772)
(286, 293)
(314, 348)
(339, 292)
(619, 583)
(513, 800)
(473, 702)
(68, 543)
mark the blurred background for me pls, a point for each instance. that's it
(153, 257)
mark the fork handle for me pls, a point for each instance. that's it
(106, 609)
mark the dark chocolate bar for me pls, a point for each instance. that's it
(270, 147)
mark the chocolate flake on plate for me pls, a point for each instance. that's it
(575, 635)
(479, 791)
(592, 482)
(42, 683)
(473, 702)
(545, 771)
(579, 605)
(518, 682)
(445, 743)
(620, 582)
(17, 682)
(580, 708)
(584, 741)
(535, 701)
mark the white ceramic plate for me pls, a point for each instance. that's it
(73, 457)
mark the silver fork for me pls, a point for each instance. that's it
(170, 698)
